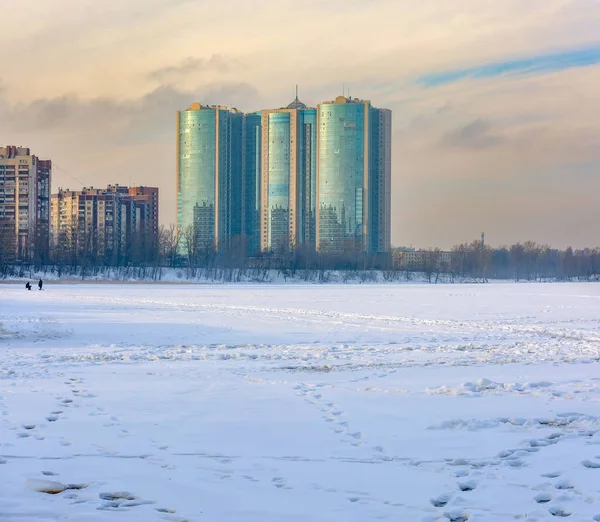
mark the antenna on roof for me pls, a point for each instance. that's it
(296, 91)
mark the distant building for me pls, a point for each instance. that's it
(288, 176)
(251, 181)
(24, 204)
(148, 195)
(285, 177)
(112, 223)
(209, 174)
(353, 176)
(416, 259)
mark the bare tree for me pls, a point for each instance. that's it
(169, 241)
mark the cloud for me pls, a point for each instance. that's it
(540, 64)
(189, 66)
(120, 121)
(474, 135)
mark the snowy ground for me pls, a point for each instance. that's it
(303, 403)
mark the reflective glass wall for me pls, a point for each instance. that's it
(306, 177)
(196, 150)
(292, 176)
(277, 133)
(251, 181)
(341, 175)
(379, 222)
(234, 175)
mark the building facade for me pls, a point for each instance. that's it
(286, 177)
(148, 195)
(209, 175)
(418, 259)
(353, 177)
(251, 182)
(113, 224)
(24, 204)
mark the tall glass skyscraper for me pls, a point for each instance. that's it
(353, 176)
(286, 177)
(209, 174)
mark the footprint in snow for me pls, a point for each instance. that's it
(552, 474)
(468, 485)
(457, 516)
(441, 500)
(118, 500)
(543, 498)
(559, 512)
(563, 484)
(280, 483)
(591, 464)
(514, 462)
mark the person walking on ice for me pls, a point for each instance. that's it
(28, 285)
(40, 283)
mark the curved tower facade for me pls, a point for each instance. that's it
(353, 176)
(284, 178)
(288, 177)
(209, 177)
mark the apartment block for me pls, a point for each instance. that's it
(24, 204)
(112, 223)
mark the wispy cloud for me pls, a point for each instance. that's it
(216, 62)
(544, 63)
(475, 135)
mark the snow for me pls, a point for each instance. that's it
(267, 403)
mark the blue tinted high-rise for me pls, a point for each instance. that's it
(209, 176)
(379, 234)
(353, 177)
(288, 177)
(341, 175)
(251, 164)
(276, 129)
(196, 173)
(234, 173)
(306, 177)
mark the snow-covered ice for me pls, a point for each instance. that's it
(269, 403)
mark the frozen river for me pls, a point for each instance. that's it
(266, 403)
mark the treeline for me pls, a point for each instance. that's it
(141, 256)
(526, 261)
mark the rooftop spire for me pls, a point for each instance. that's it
(296, 104)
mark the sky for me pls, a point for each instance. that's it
(496, 105)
